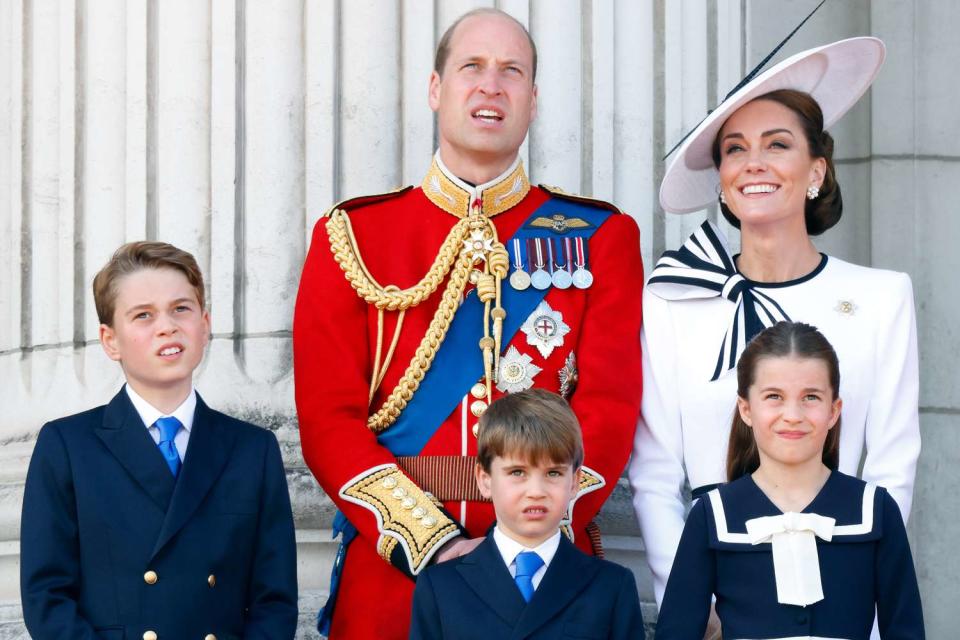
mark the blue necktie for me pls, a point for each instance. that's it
(528, 562)
(169, 427)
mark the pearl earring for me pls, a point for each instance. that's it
(812, 192)
(723, 200)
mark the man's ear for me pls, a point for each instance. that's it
(483, 481)
(433, 93)
(108, 340)
(533, 104)
(206, 330)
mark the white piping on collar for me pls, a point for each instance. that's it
(863, 527)
(477, 191)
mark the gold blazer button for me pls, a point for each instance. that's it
(150, 577)
(149, 635)
(212, 580)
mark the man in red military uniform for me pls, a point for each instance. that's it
(419, 307)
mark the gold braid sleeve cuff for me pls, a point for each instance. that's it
(590, 481)
(412, 525)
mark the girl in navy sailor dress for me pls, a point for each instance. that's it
(791, 548)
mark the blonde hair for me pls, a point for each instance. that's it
(535, 424)
(133, 257)
(443, 47)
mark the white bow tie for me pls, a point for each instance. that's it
(796, 565)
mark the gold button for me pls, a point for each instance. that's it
(477, 408)
(428, 522)
(150, 577)
(478, 390)
(408, 503)
(149, 635)
(399, 493)
(209, 636)
(476, 430)
(212, 580)
(418, 512)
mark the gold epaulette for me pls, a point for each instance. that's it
(560, 193)
(361, 201)
(590, 481)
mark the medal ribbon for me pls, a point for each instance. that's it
(538, 249)
(581, 256)
(517, 258)
(454, 369)
(567, 255)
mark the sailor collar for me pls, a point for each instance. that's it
(854, 505)
(455, 196)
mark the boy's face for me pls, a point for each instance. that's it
(159, 332)
(529, 499)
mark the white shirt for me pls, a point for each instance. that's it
(150, 414)
(868, 317)
(509, 550)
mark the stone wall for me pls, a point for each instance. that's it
(228, 127)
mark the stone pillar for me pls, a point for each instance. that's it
(229, 126)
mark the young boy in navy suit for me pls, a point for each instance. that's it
(526, 579)
(155, 516)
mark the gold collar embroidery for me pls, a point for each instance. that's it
(497, 196)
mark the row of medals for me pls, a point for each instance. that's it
(560, 275)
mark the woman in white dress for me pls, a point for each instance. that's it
(765, 152)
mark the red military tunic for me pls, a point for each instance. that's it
(335, 339)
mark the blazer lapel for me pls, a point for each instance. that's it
(488, 576)
(208, 451)
(569, 573)
(125, 435)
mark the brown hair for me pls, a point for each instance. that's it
(536, 425)
(783, 339)
(825, 210)
(443, 47)
(133, 257)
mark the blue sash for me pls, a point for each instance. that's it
(457, 366)
(458, 363)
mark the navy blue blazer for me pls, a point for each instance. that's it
(866, 564)
(112, 546)
(474, 596)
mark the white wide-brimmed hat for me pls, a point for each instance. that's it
(836, 75)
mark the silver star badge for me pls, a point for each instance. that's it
(569, 376)
(478, 245)
(516, 371)
(545, 329)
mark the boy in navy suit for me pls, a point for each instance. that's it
(155, 516)
(526, 579)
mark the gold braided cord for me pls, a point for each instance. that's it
(393, 347)
(376, 358)
(423, 357)
(380, 367)
(345, 251)
(453, 259)
(499, 263)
